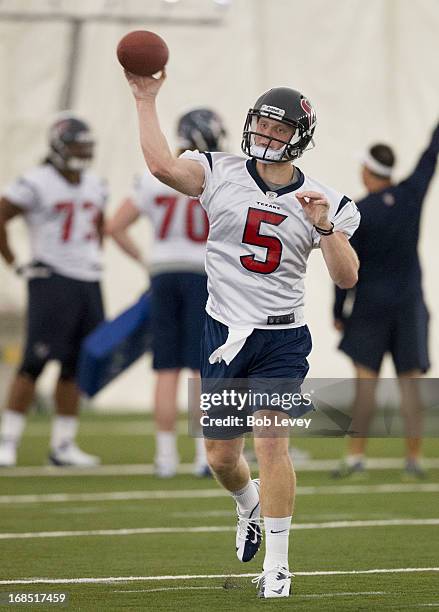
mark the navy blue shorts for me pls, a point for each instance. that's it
(273, 361)
(178, 301)
(61, 312)
(401, 331)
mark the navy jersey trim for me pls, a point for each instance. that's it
(209, 159)
(343, 203)
(251, 168)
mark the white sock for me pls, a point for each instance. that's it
(12, 425)
(64, 430)
(247, 498)
(277, 533)
(200, 452)
(353, 459)
(166, 447)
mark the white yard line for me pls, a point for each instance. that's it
(180, 588)
(212, 529)
(313, 465)
(210, 493)
(222, 588)
(115, 579)
(111, 496)
(346, 594)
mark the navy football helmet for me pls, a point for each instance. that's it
(289, 107)
(71, 143)
(201, 129)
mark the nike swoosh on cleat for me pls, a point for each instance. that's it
(281, 531)
(279, 591)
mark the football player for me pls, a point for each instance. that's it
(178, 280)
(265, 217)
(62, 205)
(389, 313)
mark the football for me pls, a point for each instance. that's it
(143, 53)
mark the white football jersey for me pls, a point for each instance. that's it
(259, 242)
(62, 219)
(180, 226)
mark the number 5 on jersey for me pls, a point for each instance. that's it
(252, 235)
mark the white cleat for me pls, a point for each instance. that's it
(248, 532)
(71, 455)
(165, 469)
(8, 454)
(275, 582)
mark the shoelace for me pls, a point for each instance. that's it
(244, 524)
(277, 570)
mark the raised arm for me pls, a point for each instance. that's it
(419, 181)
(184, 175)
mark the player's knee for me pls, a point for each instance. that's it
(271, 449)
(220, 457)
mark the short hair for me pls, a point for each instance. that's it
(383, 154)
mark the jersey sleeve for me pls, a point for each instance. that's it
(206, 160)
(22, 193)
(346, 219)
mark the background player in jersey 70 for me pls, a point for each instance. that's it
(178, 281)
(62, 205)
(265, 218)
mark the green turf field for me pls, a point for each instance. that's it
(119, 538)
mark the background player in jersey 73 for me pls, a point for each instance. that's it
(62, 205)
(178, 280)
(389, 314)
(265, 218)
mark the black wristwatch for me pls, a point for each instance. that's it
(324, 232)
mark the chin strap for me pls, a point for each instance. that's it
(266, 154)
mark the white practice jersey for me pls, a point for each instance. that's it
(180, 226)
(62, 219)
(259, 242)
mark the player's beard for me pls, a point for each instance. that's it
(270, 156)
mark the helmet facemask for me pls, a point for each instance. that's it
(71, 145)
(76, 157)
(291, 149)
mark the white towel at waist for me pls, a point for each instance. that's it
(235, 341)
